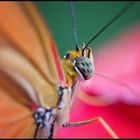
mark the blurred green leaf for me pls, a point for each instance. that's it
(90, 17)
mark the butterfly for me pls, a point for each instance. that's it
(36, 88)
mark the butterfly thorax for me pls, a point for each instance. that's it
(68, 68)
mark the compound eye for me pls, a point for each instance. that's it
(67, 56)
(84, 67)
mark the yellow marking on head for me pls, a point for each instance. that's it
(68, 67)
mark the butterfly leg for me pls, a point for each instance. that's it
(44, 119)
(61, 92)
(51, 132)
(99, 119)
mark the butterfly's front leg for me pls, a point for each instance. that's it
(45, 118)
(45, 121)
(62, 91)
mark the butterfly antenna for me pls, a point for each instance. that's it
(72, 7)
(120, 13)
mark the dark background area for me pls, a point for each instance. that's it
(90, 18)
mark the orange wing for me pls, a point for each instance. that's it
(16, 118)
(21, 35)
(27, 75)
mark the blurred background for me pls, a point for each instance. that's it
(90, 18)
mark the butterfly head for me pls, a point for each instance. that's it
(82, 62)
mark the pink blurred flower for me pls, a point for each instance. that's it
(120, 60)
